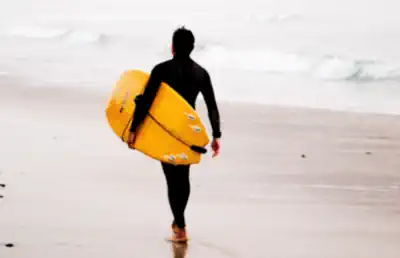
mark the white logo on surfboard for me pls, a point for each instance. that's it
(196, 128)
(190, 116)
(173, 158)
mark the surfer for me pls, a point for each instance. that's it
(189, 79)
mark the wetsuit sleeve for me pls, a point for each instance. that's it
(144, 101)
(213, 112)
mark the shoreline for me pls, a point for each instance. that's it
(92, 94)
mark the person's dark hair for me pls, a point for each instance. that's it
(183, 41)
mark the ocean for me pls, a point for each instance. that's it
(340, 55)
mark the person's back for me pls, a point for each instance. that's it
(185, 76)
(189, 79)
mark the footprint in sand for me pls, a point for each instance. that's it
(7, 244)
(2, 186)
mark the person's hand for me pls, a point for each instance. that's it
(131, 140)
(216, 145)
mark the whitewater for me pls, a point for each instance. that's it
(341, 55)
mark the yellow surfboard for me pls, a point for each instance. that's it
(172, 132)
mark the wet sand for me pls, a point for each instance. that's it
(290, 182)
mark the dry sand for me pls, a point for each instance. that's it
(289, 183)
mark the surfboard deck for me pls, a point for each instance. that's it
(168, 131)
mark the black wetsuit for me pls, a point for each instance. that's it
(189, 79)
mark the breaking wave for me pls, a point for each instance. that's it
(218, 55)
(67, 35)
(325, 67)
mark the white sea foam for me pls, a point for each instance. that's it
(323, 67)
(56, 34)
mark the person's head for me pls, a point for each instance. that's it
(182, 42)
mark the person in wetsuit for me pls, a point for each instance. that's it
(189, 79)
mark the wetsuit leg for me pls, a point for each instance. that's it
(178, 184)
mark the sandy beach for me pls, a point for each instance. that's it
(290, 183)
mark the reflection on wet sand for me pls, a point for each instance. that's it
(179, 250)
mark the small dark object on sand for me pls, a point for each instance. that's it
(9, 245)
(368, 153)
(3, 185)
(303, 156)
(1, 196)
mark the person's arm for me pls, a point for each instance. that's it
(213, 112)
(146, 99)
